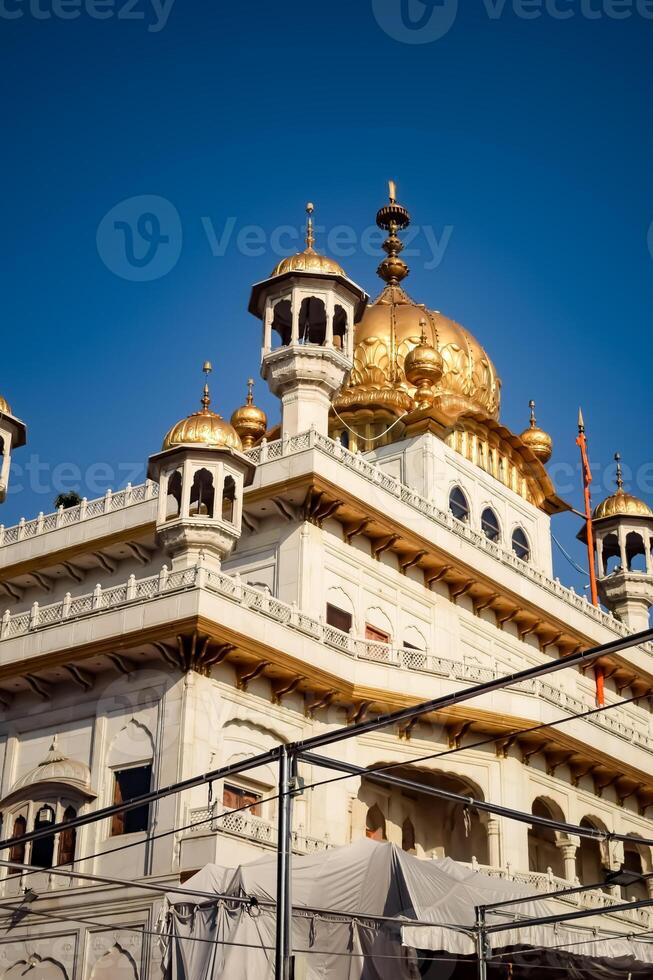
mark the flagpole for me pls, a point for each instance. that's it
(581, 442)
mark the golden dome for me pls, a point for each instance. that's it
(539, 442)
(203, 428)
(621, 504)
(309, 260)
(249, 421)
(4, 406)
(388, 331)
(392, 327)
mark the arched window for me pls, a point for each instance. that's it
(520, 544)
(408, 835)
(635, 552)
(173, 503)
(610, 554)
(43, 847)
(67, 838)
(543, 852)
(633, 862)
(339, 327)
(490, 524)
(228, 499)
(17, 851)
(344, 439)
(312, 321)
(458, 504)
(282, 322)
(202, 494)
(375, 824)
(589, 856)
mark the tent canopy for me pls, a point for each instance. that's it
(384, 905)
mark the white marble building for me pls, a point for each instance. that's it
(388, 542)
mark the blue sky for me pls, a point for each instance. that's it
(520, 139)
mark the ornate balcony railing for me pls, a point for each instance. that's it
(356, 462)
(232, 587)
(85, 511)
(548, 882)
(207, 820)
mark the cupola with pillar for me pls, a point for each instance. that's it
(201, 471)
(623, 536)
(308, 307)
(13, 435)
(249, 421)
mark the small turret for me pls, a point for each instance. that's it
(13, 434)
(310, 306)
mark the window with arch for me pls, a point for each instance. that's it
(339, 327)
(375, 824)
(312, 321)
(408, 836)
(17, 851)
(173, 502)
(67, 838)
(229, 499)
(543, 850)
(43, 847)
(128, 785)
(520, 544)
(635, 552)
(202, 494)
(282, 323)
(490, 525)
(458, 504)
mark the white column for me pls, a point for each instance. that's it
(568, 851)
(494, 842)
(330, 311)
(296, 303)
(267, 327)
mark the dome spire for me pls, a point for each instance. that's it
(620, 475)
(540, 443)
(249, 421)
(393, 218)
(310, 238)
(207, 368)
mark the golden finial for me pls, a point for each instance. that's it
(310, 239)
(540, 443)
(531, 405)
(393, 218)
(620, 475)
(422, 339)
(250, 391)
(249, 421)
(207, 368)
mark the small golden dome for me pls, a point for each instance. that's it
(5, 408)
(539, 442)
(203, 428)
(309, 260)
(621, 504)
(249, 421)
(423, 368)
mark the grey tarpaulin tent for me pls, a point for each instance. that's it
(386, 903)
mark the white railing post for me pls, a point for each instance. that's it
(83, 508)
(128, 494)
(163, 578)
(131, 587)
(97, 596)
(238, 587)
(65, 608)
(39, 522)
(108, 497)
(21, 528)
(34, 616)
(4, 626)
(264, 450)
(2, 534)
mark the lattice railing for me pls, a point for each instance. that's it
(207, 820)
(374, 474)
(87, 510)
(233, 588)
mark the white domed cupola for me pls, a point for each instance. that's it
(308, 307)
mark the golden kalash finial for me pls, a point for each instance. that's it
(539, 442)
(423, 368)
(620, 473)
(393, 218)
(310, 238)
(207, 368)
(249, 421)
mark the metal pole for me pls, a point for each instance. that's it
(481, 942)
(283, 964)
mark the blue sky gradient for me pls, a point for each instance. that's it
(522, 143)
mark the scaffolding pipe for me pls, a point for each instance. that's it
(283, 964)
(481, 942)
